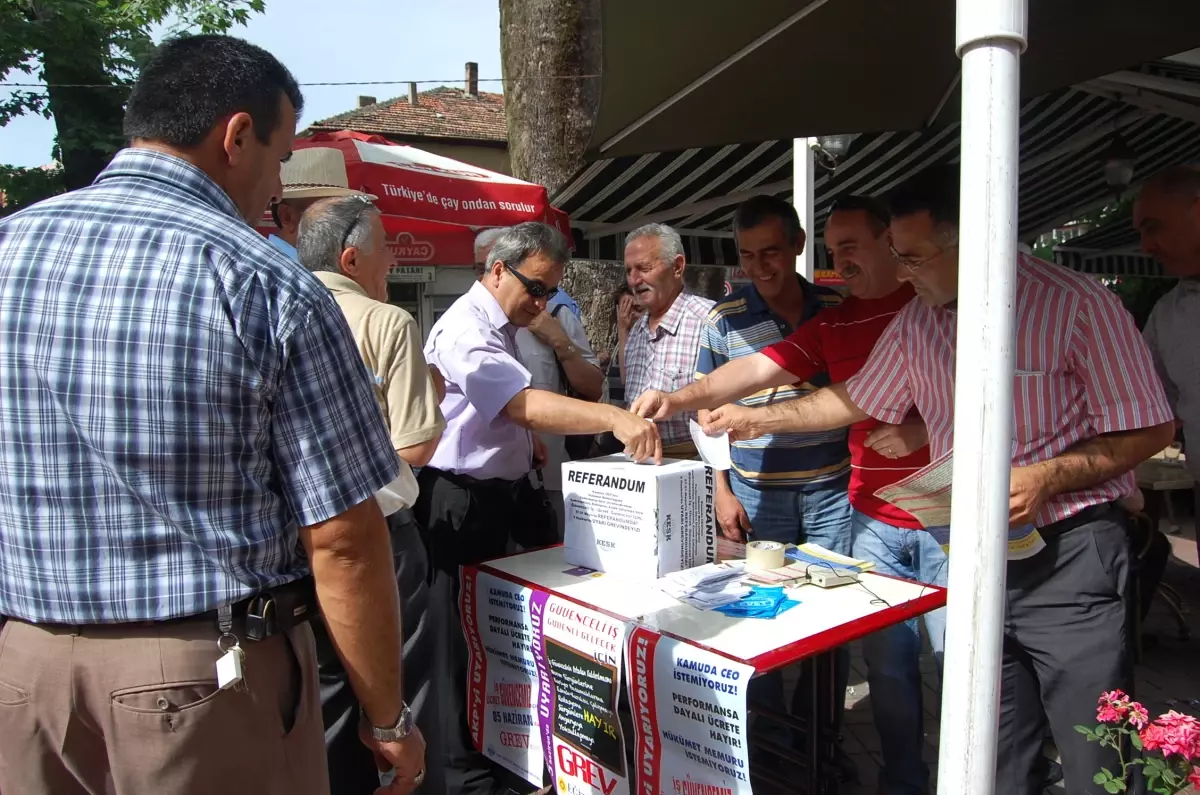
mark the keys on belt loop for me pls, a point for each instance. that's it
(231, 666)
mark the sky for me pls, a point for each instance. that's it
(362, 40)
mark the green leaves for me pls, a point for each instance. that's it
(89, 52)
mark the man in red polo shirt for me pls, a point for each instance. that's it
(1087, 408)
(838, 341)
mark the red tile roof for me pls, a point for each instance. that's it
(442, 112)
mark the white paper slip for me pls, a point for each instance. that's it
(713, 450)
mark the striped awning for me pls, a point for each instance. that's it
(696, 190)
(1110, 249)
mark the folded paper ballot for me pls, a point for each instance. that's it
(713, 450)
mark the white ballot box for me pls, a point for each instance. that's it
(638, 520)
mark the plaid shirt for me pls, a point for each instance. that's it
(666, 359)
(176, 398)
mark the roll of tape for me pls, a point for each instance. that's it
(765, 555)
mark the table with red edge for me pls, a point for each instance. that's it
(825, 619)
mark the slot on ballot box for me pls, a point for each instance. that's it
(638, 520)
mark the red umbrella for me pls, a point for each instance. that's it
(432, 205)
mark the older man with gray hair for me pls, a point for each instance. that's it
(663, 344)
(476, 491)
(342, 241)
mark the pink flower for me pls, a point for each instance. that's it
(1138, 716)
(1113, 706)
(1194, 777)
(1182, 734)
(1152, 737)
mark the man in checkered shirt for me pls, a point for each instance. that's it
(185, 428)
(661, 350)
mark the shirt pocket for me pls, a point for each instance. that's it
(675, 380)
(1034, 405)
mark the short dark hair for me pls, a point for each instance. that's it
(190, 83)
(933, 191)
(1181, 181)
(757, 209)
(877, 212)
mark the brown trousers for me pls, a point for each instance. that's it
(134, 709)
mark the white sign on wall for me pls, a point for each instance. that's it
(423, 274)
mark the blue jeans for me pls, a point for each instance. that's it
(893, 672)
(820, 516)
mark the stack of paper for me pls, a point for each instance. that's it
(817, 555)
(705, 587)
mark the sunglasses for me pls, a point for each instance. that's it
(532, 286)
(364, 203)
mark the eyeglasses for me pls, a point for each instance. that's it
(364, 203)
(914, 265)
(532, 286)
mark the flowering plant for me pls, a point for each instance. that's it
(1175, 735)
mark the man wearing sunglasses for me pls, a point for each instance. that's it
(476, 492)
(1088, 408)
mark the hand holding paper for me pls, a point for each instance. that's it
(714, 450)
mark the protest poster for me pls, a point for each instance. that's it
(689, 718)
(577, 652)
(502, 676)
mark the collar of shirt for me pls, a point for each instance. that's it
(480, 297)
(340, 283)
(284, 246)
(140, 163)
(670, 321)
(811, 303)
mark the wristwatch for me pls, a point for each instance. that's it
(403, 727)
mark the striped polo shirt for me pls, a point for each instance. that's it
(743, 325)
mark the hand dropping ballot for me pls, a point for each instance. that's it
(713, 450)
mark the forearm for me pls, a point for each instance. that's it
(1101, 458)
(824, 410)
(547, 412)
(733, 380)
(356, 591)
(586, 378)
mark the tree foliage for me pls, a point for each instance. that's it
(88, 52)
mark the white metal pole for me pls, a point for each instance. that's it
(803, 166)
(991, 35)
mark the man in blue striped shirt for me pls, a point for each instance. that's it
(789, 488)
(186, 433)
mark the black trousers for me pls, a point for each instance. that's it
(1065, 642)
(467, 522)
(352, 768)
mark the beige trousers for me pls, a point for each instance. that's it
(134, 709)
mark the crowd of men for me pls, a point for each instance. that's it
(237, 488)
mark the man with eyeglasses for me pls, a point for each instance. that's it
(837, 341)
(1088, 407)
(342, 241)
(476, 491)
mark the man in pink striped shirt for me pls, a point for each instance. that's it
(1088, 407)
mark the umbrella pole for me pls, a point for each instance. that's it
(991, 35)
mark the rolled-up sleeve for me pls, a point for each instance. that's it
(478, 364)
(329, 438)
(1120, 383)
(881, 388)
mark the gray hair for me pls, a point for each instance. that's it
(487, 238)
(518, 243)
(670, 244)
(324, 226)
